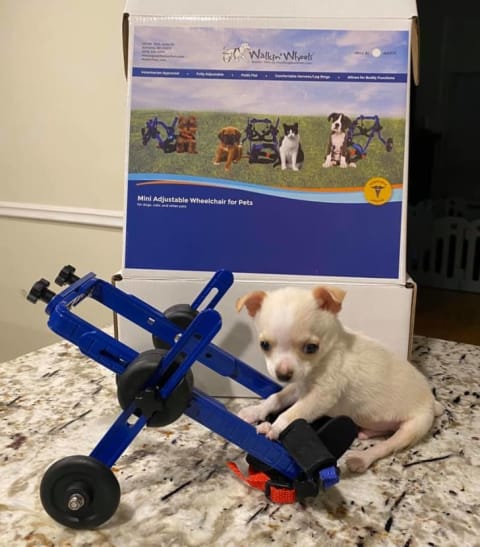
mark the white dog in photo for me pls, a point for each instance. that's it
(330, 371)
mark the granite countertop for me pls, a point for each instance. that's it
(177, 490)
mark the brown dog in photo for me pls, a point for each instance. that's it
(229, 149)
(187, 135)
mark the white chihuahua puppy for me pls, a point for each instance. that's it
(330, 371)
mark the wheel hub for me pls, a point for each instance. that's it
(76, 502)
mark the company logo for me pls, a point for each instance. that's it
(244, 52)
(236, 54)
(378, 191)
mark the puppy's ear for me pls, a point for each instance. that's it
(252, 301)
(221, 134)
(329, 298)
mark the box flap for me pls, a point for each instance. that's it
(372, 9)
(413, 287)
(125, 42)
(369, 9)
(415, 47)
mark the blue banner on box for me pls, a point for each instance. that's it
(179, 225)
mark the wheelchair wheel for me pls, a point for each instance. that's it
(80, 492)
(181, 315)
(159, 412)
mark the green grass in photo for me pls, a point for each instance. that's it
(314, 134)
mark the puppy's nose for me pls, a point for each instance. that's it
(284, 376)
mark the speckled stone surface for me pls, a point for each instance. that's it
(177, 490)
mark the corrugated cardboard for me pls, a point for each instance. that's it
(184, 222)
(383, 312)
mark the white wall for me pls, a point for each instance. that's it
(62, 143)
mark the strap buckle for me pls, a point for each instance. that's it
(280, 490)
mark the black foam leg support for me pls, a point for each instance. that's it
(305, 446)
(337, 434)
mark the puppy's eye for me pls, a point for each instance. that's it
(310, 348)
(265, 345)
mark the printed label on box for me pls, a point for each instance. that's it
(268, 151)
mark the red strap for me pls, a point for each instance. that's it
(259, 480)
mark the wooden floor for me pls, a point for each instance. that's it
(449, 315)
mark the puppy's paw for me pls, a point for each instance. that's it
(252, 414)
(274, 433)
(327, 164)
(357, 461)
(267, 429)
(264, 428)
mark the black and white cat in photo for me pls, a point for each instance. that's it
(290, 149)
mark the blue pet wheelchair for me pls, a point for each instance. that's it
(168, 141)
(156, 387)
(367, 128)
(262, 137)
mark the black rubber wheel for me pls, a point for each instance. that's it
(159, 412)
(80, 492)
(180, 315)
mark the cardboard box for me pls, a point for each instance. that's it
(194, 69)
(383, 312)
